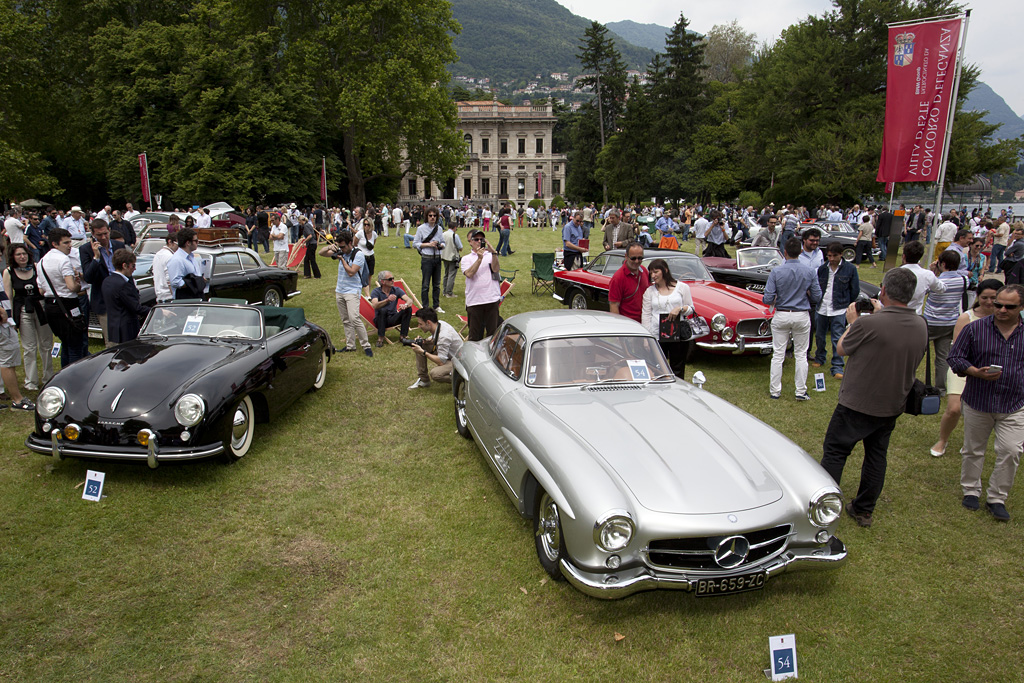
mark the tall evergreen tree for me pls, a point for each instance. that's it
(678, 93)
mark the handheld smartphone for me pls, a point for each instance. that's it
(995, 368)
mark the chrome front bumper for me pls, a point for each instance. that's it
(615, 585)
(737, 347)
(152, 454)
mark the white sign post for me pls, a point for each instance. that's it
(93, 485)
(819, 381)
(783, 653)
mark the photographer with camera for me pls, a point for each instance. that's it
(439, 349)
(346, 292)
(884, 349)
(483, 288)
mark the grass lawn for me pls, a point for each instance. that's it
(363, 539)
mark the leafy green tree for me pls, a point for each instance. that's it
(728, 52)
(581, 158)
(712, 168)
(376, 70)
(626, 162)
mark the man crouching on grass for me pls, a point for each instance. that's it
(439, 348)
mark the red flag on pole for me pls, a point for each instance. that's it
(890, 186)
(144, 175)
(919, 92)
(323, 179)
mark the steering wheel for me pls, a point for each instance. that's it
(776, 261)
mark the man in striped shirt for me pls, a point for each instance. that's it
(990, 352)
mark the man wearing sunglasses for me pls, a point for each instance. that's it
(429, 241)
(631, 280)
(483, 288)
(990, 352)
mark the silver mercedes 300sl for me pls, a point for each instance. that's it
(635, 479)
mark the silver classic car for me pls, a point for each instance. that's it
(634, 479)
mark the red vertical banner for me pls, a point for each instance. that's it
(920, 83)
(323, 179)
(144, 176)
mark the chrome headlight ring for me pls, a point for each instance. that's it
(727, 333)
(189, 410)
(50, 402)
(825, 508)
(718, 322)
(614, 530)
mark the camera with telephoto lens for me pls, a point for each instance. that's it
(864, 306)
(418, 341)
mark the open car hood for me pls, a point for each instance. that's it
(671, 450)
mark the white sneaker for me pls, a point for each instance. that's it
(439, 309)
(420, 384)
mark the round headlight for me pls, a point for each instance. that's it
(825, 509)
(718, 322)
(613, 532)
(189, 410)
(727, 333)
(50, 402)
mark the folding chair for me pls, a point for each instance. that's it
(368, 313)
(668, 242)
(507, 276)
(543, 272)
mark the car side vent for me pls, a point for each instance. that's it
(616, 387)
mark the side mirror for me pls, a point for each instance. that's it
(698, 379)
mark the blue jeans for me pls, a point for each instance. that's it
(997, 256)
(294, 232)
(822, 324)
(503, 245)
(407, 238)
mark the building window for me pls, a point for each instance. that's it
(485, 146)
(556, 168)
(522, 146)
(485, 186)
(540, 145)
(503, 168)
(556, 186)
(522, 183)
(522, 168)
(504, 146)
(469, 142)
(503, 187)
(467, 168)
(412, 186)
(467, 188)
(485, 168)
(539, 167)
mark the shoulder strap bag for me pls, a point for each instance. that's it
(74, 314)
(924, 399)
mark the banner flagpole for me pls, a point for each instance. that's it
(323, 182)
(937, 206)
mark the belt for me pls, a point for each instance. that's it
(793, 310)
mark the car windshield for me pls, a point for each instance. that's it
(840, 227)
(582, 360)
(683, 267)
(758, 256)
(150, 246)
(204, 320)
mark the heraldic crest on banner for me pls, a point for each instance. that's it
(903, 53)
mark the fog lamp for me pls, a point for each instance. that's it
(613, 562)
(727, 333)
(822, 537)
(144, 436)
(71, 432)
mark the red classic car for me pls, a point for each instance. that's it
(740, 323)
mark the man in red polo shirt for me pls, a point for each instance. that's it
(631, 280)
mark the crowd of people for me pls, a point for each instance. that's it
(972, 324)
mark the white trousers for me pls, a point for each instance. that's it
(1009, 429)
(786, 325)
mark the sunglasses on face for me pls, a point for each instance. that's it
(636, 258)
(1009, 307)
(388, 279)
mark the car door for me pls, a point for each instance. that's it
(228, 279)
(493, 382)
(253, 268)
(290, 350)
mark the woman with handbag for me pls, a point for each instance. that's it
(666, 304)
(36, 338)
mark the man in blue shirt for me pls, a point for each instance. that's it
(572, 233)
(97, 263)
(348, 290)
(184, 263)
(793, 289)
(429, 241)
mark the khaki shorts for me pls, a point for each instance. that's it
(10, 349)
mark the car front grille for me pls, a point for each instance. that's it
(698, 553)
(756, 327)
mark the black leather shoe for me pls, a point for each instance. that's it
(970, 502)
(861, 518)
(998, 510)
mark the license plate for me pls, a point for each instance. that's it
(765, 350)
(730, 584)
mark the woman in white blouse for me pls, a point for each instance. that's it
(672, 299)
